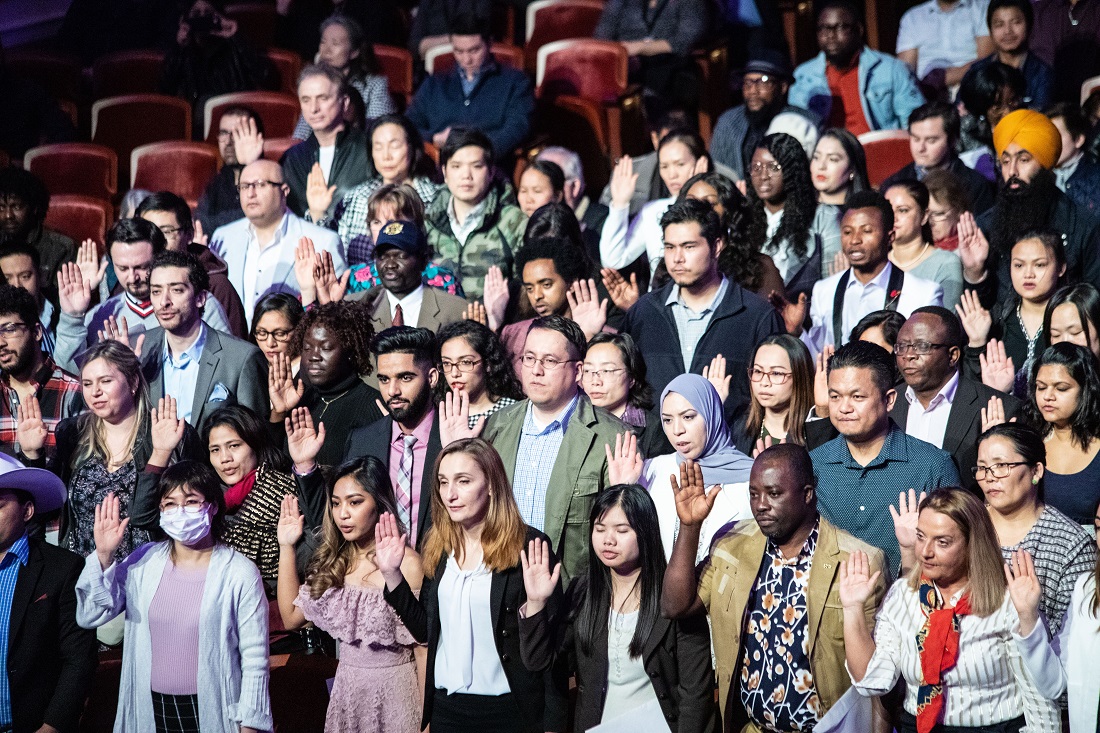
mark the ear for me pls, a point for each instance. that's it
(891, 398)
(1039, 470)
(28, 512)
(200, 299)
(955, 355)
(433, 377)
(719, 245)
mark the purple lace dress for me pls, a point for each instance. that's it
(375, 690)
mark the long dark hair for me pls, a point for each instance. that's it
(919, 193)
(290, 307)
(591, 614)
(500, 376)
(1081, 365)
(802, 392)
(800, 204)
(420, 165)
(857, 158)
(1082, 296)
(202, 479)
(251, 430)
(1025, 441)
(365, 64)
(640, 394)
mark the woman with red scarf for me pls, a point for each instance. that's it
(968, 650)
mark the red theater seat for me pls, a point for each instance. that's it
(275, 147)
(75, 168)
(184, 168)
(441, 59)
(126, 122)
(887, 152)
(127, 72)
(289, 65)
(558, 20)
(80, 217)
(397, 65)
(279, 112)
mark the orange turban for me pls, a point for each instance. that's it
(1032, 131)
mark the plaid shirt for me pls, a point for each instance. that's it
(59, 396)
(538, 450)
(351, 222)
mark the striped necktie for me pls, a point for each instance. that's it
(404, 487)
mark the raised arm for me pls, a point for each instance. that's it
(289, 531)
(680, 592)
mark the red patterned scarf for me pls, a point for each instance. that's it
(238, 492)
(938, 645)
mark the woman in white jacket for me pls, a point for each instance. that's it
(196, 652)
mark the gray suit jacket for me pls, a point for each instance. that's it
(237, 365)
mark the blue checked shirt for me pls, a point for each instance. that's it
(181, 372)
(691, 325)
(538, 450)
(9, 574)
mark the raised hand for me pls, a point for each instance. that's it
(840, 263)
(167, 429)
(905, 518)
(292, 525)
(92, 266)
(108, 530)
(716, 375)
(856, 581)
(622, 293)
(975, 319)
(199, 236)
(476, 312)
(998, 371)
(762, 444)
(821, 381)
(389, 549)
(30, 430)
(1024, 589)
(793, 314)
(973, 248)
(116, 329)
(318, 193)
(693, 501)
(495, 296)
(454, 416)
(74, 293)
(248, 142)
(303, 441)
(623, 181)
(586, 308)
(305, 258)
(624, 462)
(330, 288)
(284, 392)
(993, 413)
(539, 581)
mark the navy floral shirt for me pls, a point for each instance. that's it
(777, 686)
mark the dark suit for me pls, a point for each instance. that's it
(539, 695)
(374, 440)
(964, 424)
(350, 166)
(1084, 185)
(235, 364)
(51, 660)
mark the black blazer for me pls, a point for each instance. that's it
(540, 696)
(51, 660)
(676, 656)
(964, 424)
(374, 440)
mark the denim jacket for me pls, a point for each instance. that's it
(888, 91)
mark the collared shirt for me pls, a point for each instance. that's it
(469, 226)
(942, 38)
(410, 305)
(15, 559)
(259, 258)
(423, 432)
(690, 324)
(467, 660)
(538, 450)
(468, 85)
(1063, 173)
(59, 396)
(181, 371)
(861, 299)
(777, 684)
(929, 424)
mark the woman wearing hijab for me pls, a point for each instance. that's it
(691, 414)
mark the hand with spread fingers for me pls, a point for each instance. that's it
(693, 500)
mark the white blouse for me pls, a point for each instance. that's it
(622, 241)
(466, 660)
(992, 682)
(628, 685)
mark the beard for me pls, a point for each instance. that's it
(761, 118)
(409, 416)
(1022, 209)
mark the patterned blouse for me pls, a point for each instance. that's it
(365, 277)
(777, 686)
(90, 484)
(497, 406)
(251, 529)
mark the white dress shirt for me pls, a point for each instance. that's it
(930, 424)
(466, 660)
(943, 38)
(410, 305)
(622, 241)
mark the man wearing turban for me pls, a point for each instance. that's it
(1028, 146)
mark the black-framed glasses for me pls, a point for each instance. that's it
(279, 335)
(549, 363)
(998, 470)
(251, 185)
(921, 348)
(464, 365)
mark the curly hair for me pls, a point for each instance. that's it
(350, 321)
(800, 203)
(500, 376)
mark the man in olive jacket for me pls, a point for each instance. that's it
(553, 443)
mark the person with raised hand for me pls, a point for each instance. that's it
(195, 613)
(467, 610)
(961, 628)
(609, 631)
(473, 361)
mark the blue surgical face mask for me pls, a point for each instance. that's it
(184, 526)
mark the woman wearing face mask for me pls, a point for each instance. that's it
(1002, 343)
(378, 678)
(344, 48)
(960, 629)
(781, 384)
(257, 477)
(681, 154)
(541, 183)
(1064, 402)
(1073, 315)
(912, 250)
(467, 611)
(273, 327)
(613, 377)
(335, 355)
(610, 631)
(195, 657)
(474, 361)
(947, 201)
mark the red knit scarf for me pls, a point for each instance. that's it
(237, 493)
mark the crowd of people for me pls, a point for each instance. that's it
(743, 443)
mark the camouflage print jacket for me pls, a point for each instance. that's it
(494, 242)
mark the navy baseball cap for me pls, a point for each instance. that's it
(404, 235)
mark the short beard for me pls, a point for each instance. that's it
(409, 416)
(1021, 210)
(25, 361)
(763, 116)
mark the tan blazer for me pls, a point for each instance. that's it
(727, 584)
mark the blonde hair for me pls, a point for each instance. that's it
(504, 532)
(90, 428)
(984, 563)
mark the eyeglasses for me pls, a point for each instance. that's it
(549, 363)
(464, 365)
(10, 329)
(193, 506)
(921, 348)
(251, 185)
(280, 335)
(999, 470)
(763, 81)
(825, 30)
(601, 373)
(765, 169)
(774, 376)
(169, 231)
